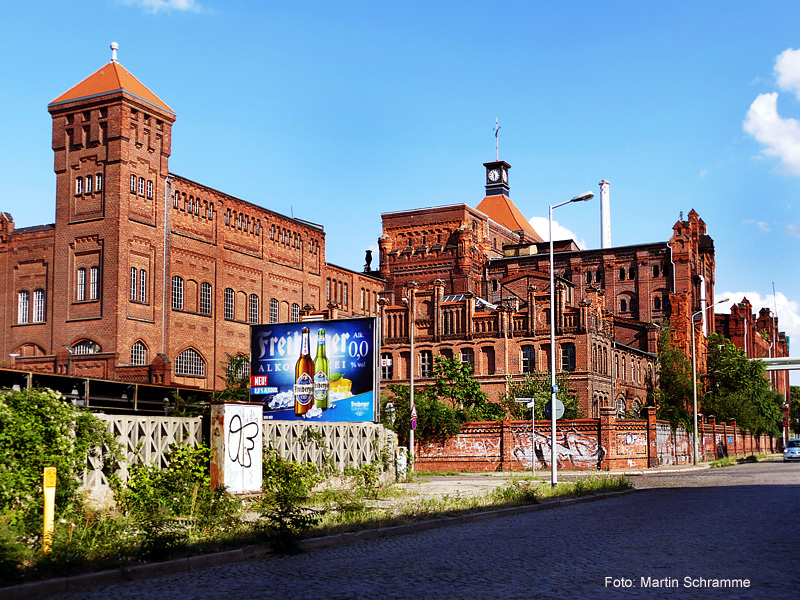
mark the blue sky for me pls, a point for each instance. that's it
(338, 111)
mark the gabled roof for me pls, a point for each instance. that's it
(503, 211)
(111, 78)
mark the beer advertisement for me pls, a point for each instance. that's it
(316, 370)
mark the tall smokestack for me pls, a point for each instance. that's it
(605, 215)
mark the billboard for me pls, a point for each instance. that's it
(316, 370)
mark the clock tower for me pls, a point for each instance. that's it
(497, 178)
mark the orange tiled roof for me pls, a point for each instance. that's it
(112, 77)
(501, 210)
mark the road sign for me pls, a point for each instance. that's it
(414, 418)
(559, 409)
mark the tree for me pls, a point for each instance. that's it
(794, 410)
(736, 388)
(453, 380)
(237, 379)
(436, 420)
(536, 385)
(675, 383)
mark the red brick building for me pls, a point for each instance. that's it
(147, 276)
(474, 283)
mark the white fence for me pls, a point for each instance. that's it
(148, 438)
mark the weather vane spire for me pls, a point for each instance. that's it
(496, 140)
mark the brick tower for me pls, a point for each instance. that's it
(111, 139)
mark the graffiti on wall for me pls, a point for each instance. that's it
(484, 448)
(572, 448)
(236, 442)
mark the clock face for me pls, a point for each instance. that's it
(505, 176)
(494, 175)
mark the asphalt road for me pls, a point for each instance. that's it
(686, 531)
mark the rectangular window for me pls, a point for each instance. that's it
(176, 200)
(468, 356)
(205, 298)
(150, 190)
(141, 186)
(362, 298)
(425, 363)
(387, 372)
(528, 359)
(133, 183)
(211, 211)
(142, 286)
(80, 289)
(344, 296)
(328, 290)
(38, 306)
(295, 314)
(98, 182)
(94, 283)
(89, 184)
(79, 185)
(568, 356)
(134, 282)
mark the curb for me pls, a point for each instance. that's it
(41, 589)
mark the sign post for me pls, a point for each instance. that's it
(531, 403)
(49, 507)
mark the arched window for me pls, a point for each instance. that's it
(252, 309)
(80, 289)
(23, 300)
(138, 354)
(623, 305)
(177, 293)
(94, 283)
(620, 407)
(79, 185)
(190, 363)
(205, 298)
(133, 187)
(230, 306)
(86, 347)
(273, 310)
(142, 285)
(38, 306)
(657, 302)
(294, 317)
(89, 184)
(98, 182)
(134, 284)
(425, 363)
(636, 409)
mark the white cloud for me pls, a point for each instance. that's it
(154, 6)
(541, 226)
(788, 310)
(787, 71)
(762, 225)
(793, 230)
(704, 172)
(781, 137)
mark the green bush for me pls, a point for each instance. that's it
(284, 505)
(39, 429)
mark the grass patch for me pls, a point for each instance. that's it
(727, 461)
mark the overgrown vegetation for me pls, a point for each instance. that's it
(536, 385)
(674, 393)
(736, 388)
(727, 461)
(160, 513)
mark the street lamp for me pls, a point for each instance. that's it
(694, 379)
(553, 387)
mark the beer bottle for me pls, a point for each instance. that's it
(303, 379)
(321, 372)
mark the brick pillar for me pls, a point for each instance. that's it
(608, 427)
(652, 436)
(506, 446)
(732, 425)
(711, 428)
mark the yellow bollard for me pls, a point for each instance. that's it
(49, 506)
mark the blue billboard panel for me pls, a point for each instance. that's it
(316, 370)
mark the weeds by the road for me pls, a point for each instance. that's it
(727, 461)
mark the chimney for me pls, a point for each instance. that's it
(605, 215)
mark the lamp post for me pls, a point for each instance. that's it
(553, 387)
(694, 379)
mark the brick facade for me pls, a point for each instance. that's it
(147, 276)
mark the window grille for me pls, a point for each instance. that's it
(138, 354)
(205, 298)
(229, 304)
(22, 306)
(190, 363)
(38, 306)
(177, 293)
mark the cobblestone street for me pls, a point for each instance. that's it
(733, 523)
